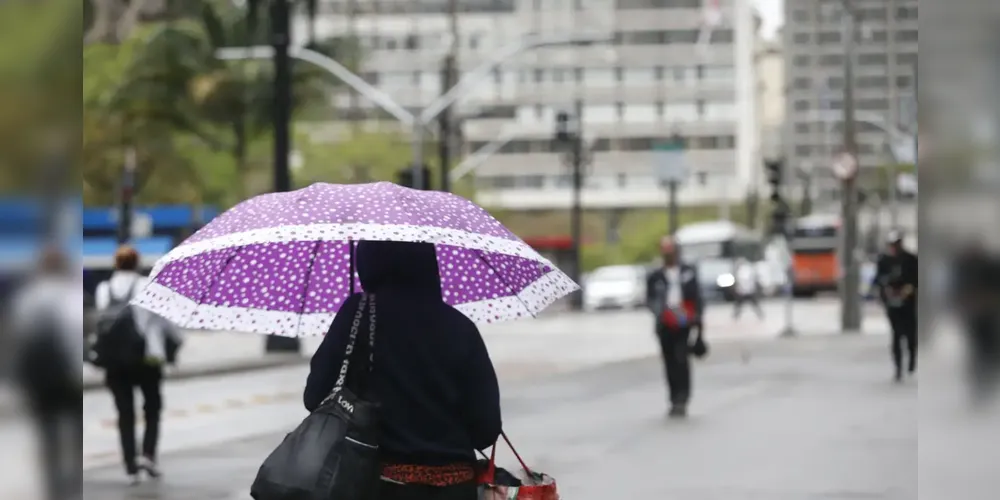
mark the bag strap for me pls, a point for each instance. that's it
(367, 302)
(493, 457)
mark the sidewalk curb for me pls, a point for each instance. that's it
(234, 367)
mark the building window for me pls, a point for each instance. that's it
(719, 37)
(801, 61)
(873, 59)
(539, 76)
(619, 74)
(802, 105)
(557, 75)
(802, 128)
(872, 82)
(539, 111)
(497, 76)
(702, 177)
(828, 38)
(619, 110)
(658, 73)
(873, 14)
(391, 44)
(904, 82)
(906, 59)
(802, 83)
(906, 36)
(906, 13)
(659, 109)
(474, 41)
(802, 150)
(578, 75)
(801, 38)
(622, 180)
(831, 60)
(800, 15)
(416, 77)
(412, 42)
(873, 104)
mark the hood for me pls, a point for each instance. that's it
(398, 264)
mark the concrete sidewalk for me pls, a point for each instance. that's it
(561, 338)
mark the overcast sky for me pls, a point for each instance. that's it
(773, 14)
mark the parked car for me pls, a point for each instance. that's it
(614, 287)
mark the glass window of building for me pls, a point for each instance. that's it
(906, 13)
(557, 75)
(831, 60)
(680, 111)
(640, 113)
(600, 114)
(658, 73)
(721, 36)
(802, 83)
(801, 61)
(599, 77)
(681, 36)
(801, 38)
(718, 73)
(802, 105)
(719, 110)
(619, 74)
(619, 110)
(578, 75)
(539, 75)
(873, 59)
(829, 38)
(639, 76)
(906, 36)
(412, 42)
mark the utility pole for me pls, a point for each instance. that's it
(125, 204)
(576, 214)
(446, 124)
(280, 17)
(569, 131)
(850, 319)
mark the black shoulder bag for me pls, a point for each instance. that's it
(333, 453)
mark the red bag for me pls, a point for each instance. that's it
(674, 319)
(535, 486)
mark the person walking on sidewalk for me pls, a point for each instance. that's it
(132, 347)
(46, 321)
(673, 295)
(432, 375)
(896, 279)
(746, 288)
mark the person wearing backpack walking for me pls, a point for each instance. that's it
(133, 345)
(45, 327)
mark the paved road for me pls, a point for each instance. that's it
(806, 419)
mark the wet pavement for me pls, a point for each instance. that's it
(802, 419)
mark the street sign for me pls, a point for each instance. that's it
(670, 162)
(845, 166)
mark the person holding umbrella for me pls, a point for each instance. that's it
(293, 263)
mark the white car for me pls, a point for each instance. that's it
(614, 287)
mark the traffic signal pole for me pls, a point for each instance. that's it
(781, 227)
(281, 40)
(576, 211)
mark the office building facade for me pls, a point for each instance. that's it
(885, 67)
(650, 82)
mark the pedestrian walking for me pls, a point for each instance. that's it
(896, 279)
(46, 321)
(133, 345)
(673, 295)
(432, 375)
(746, 288)
(975, 296)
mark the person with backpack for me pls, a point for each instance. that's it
(133, 345)
(46, 321)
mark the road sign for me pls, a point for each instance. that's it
(670, 162)
(845, 166)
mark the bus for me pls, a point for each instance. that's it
(815, 246)
(713, 248)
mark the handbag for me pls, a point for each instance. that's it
(531, 486)
(333, 453)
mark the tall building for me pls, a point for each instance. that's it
(650, 82)
(885, 65)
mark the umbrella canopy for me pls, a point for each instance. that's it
(281, 264)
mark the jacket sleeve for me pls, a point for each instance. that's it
(325, 364)
(481, 395)
(653, 301)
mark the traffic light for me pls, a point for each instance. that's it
(404, 177)
(780, 211)
(564, 129)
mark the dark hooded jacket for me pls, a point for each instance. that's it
(432, 374)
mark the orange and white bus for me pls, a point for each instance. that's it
(815, 246)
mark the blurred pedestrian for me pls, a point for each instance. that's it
(432, 374)
(47, 323)
(673, 295)
(896, 279)
(746, 288)
(975, 296)
(132, 347)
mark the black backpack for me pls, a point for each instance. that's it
(43, 367)
(119, 344)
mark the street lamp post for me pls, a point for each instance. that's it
(850, 284)
(429, 113)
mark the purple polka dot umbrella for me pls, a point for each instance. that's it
(280, 263)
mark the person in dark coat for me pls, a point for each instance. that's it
(673, 295)
(975, 295)
(896, 279)
(439, 395)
